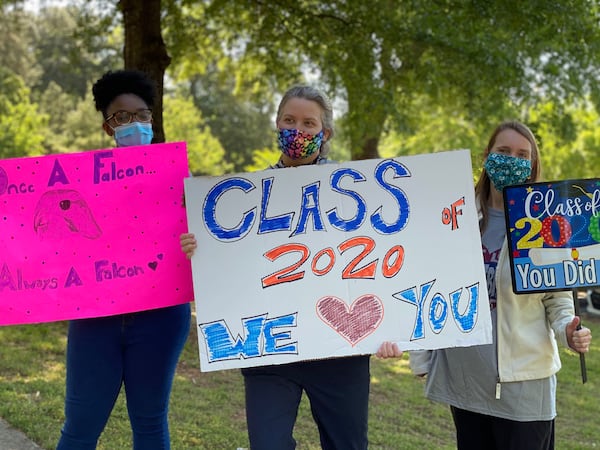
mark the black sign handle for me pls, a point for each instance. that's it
(581, 355)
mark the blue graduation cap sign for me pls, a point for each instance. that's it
(553, 231)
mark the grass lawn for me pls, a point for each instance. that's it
(207, 409)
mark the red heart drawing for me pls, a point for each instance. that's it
(354, 323)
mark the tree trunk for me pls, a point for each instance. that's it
(365, 131)
(145, 49)
(369, 149)
(364, 122)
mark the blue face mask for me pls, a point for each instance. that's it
(505, 170)
(134, 133)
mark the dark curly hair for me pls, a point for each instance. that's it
(113, 84)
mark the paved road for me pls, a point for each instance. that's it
(11, 439)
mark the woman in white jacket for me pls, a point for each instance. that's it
(503, 395)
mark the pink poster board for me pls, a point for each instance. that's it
(92, 234)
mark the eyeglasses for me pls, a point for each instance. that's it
(123, 117)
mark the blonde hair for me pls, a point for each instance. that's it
(483, 186)
(317, 96)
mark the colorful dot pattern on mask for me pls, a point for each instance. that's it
(505, 170)
(297, 144)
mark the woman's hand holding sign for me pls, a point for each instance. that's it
(579, 338)
(389, 350)
(188, 244)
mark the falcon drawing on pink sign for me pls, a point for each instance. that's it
(63, 213)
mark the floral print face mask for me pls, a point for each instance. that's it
(505, 170)
(296, 144)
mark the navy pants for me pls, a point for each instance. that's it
(477, 431)
(338, 390)
(138, 350)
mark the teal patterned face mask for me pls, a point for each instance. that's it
(505, 170)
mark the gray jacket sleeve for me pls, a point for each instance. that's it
(420, 361)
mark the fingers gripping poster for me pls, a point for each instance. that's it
(92, 234)
(332, 260)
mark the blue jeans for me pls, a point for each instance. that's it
(138, 350)
(338, 391)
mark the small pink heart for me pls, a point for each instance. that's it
(160, 256)
(354, 323)
(153, 265)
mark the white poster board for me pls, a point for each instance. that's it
(331, 260)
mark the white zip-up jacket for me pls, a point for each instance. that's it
(528, 327)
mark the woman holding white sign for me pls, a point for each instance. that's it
(338, 388)
(503, 395)
(138, 350)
